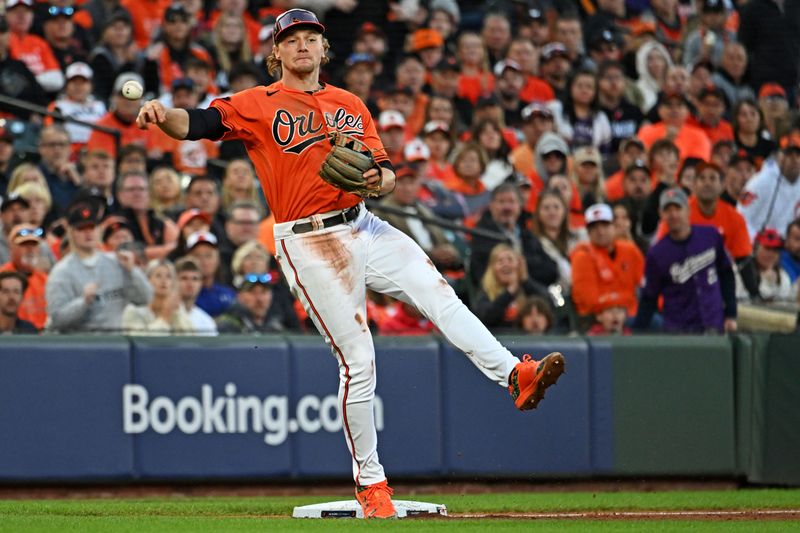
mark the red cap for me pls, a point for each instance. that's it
(771, 89)
(190, 214)
(426, 38)
(769, 238)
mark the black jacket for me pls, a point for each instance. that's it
(772, 39)
(541, 267)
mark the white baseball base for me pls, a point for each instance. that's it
(352, 509)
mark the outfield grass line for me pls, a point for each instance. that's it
(710, 514)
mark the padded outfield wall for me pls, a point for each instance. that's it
(95, 409)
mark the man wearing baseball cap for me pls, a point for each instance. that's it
(690, 268)
(214, 298)
(26, 259)
(673, 112)
(78, 102)
(772, 197)
(88, 290)
(603, 267)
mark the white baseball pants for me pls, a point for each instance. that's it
(329, 270)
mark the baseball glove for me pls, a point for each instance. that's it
(346, 163)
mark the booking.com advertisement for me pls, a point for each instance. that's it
(263, 408)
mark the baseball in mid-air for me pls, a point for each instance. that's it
(132, 90)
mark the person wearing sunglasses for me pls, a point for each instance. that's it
(26, 258)
(330, 248)
(253, 312)
(60, 33)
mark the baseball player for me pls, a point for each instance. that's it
(329, 247)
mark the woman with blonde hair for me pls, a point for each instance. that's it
(166, 196)
(39, 198)
(230, 45)
(250, 257)
(240, 184)
(475, 79)
(587, 174)
(164, 315)
(24, 173)
(504, 287)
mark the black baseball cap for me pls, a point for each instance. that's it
(295, 18)
(13, 198)
(447, 64)
(183, 83)
(82, 214)
(713, 6)
(176, 11)
(637, 164)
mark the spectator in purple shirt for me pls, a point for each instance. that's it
(691, 270)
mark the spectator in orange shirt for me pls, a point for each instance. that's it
(122, 117)
(710, 109)
(629, 151)
(604, 268)
(177, 47)
(32, 49)
(537, 119)
(428, 44)
(146, 16)
(476, 79)
(25, 242)
(673, 110)
(522, 51)
(410, 78)
(436, 136)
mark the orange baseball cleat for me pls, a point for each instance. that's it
(530, 379)
(376, 500)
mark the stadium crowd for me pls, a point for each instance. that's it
(621, 165)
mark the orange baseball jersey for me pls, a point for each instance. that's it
(728, 221)
(285, 132)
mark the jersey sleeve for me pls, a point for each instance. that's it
(240, 115)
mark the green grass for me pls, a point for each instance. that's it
(271, 513)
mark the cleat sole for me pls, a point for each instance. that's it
(552, 368)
